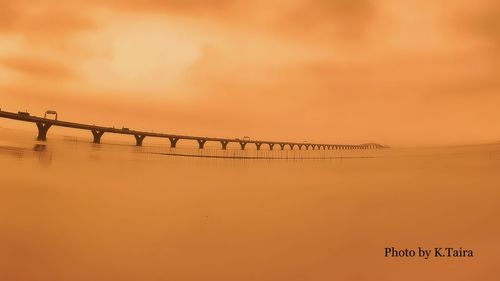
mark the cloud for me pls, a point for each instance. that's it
(337, 19)
(40, 68)
(483, 21)
(189, 6)
(43, 18)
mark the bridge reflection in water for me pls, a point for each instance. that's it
(44, 124)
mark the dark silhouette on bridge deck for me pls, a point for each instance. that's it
(44, 124)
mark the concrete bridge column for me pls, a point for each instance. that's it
(97, 135)
(201, 143)
(43, 128)
(271, 146)
(224, 144)
(282, 145)
(258, 144)
(243, 144)
(173, 142)
(139, 139)
(300, 146)
(291, 146)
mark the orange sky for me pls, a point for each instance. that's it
(346, 71)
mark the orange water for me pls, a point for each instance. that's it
(73, 210)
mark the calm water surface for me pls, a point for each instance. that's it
(73, 210)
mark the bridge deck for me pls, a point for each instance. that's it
(51, 122)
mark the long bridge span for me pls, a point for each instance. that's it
(44, 124)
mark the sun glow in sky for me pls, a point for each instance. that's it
(394, 72)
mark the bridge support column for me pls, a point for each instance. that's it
(201, 143)
(97, 135)
(224, 144)
(173, 142)
(258, 144)
(300, 146)
(271, 146)
(43, 128)
(291, 146)
(282, 145)
(139, 139)
(243, 144)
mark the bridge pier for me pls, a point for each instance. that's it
(201, 143)
(271, 146)
(258, 144)
(300, 146)
(243, 144)
(224, 144)
(291, 146)
(43, 128)
(97, 135)
(139, 139)
(173, 142)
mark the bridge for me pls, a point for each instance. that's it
(44, 124)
